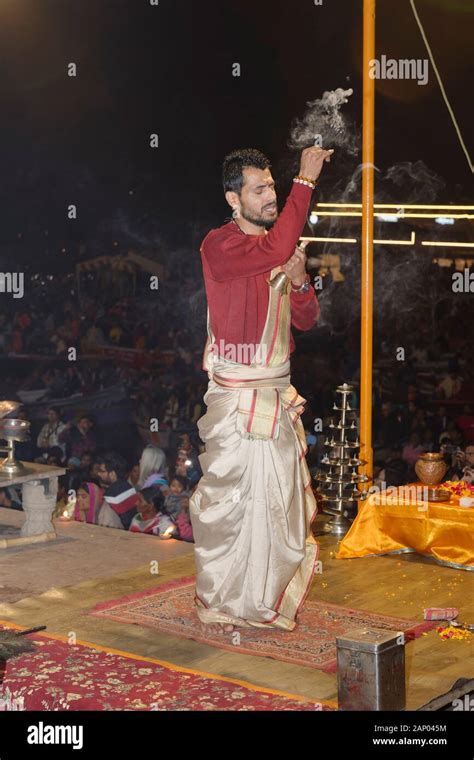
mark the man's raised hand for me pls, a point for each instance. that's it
(312, 160)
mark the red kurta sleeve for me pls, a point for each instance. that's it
(305, 309)
(232, 256)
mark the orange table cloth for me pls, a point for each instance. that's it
(397, 524)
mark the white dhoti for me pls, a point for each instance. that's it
(252, 510)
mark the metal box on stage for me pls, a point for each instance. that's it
(371, 670)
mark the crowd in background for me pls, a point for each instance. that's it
(150, 495)
(132, 476)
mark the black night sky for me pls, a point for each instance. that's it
(168, 69)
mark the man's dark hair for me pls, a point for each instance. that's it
(154, 495)
(114, 462)
(236, 162)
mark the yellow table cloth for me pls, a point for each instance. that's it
(397, 524)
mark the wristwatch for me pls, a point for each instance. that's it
(304, 287)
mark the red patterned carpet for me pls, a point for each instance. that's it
(169, 608)
(60, 676)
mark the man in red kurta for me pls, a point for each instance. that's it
(236, 270)
(252, 510)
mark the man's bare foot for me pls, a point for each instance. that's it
(210, 628)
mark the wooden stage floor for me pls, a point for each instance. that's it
(55, 583)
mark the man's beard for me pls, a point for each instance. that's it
(259, 221)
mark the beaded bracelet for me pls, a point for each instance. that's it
(305, 181)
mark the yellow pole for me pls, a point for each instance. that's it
(367, 236)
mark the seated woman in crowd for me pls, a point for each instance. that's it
(149, 506)
(151, 517)
(88, 502)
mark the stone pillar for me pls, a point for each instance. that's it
(39, 502)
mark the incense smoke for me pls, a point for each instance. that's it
(324, 120)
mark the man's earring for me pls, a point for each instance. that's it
(235, 213)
